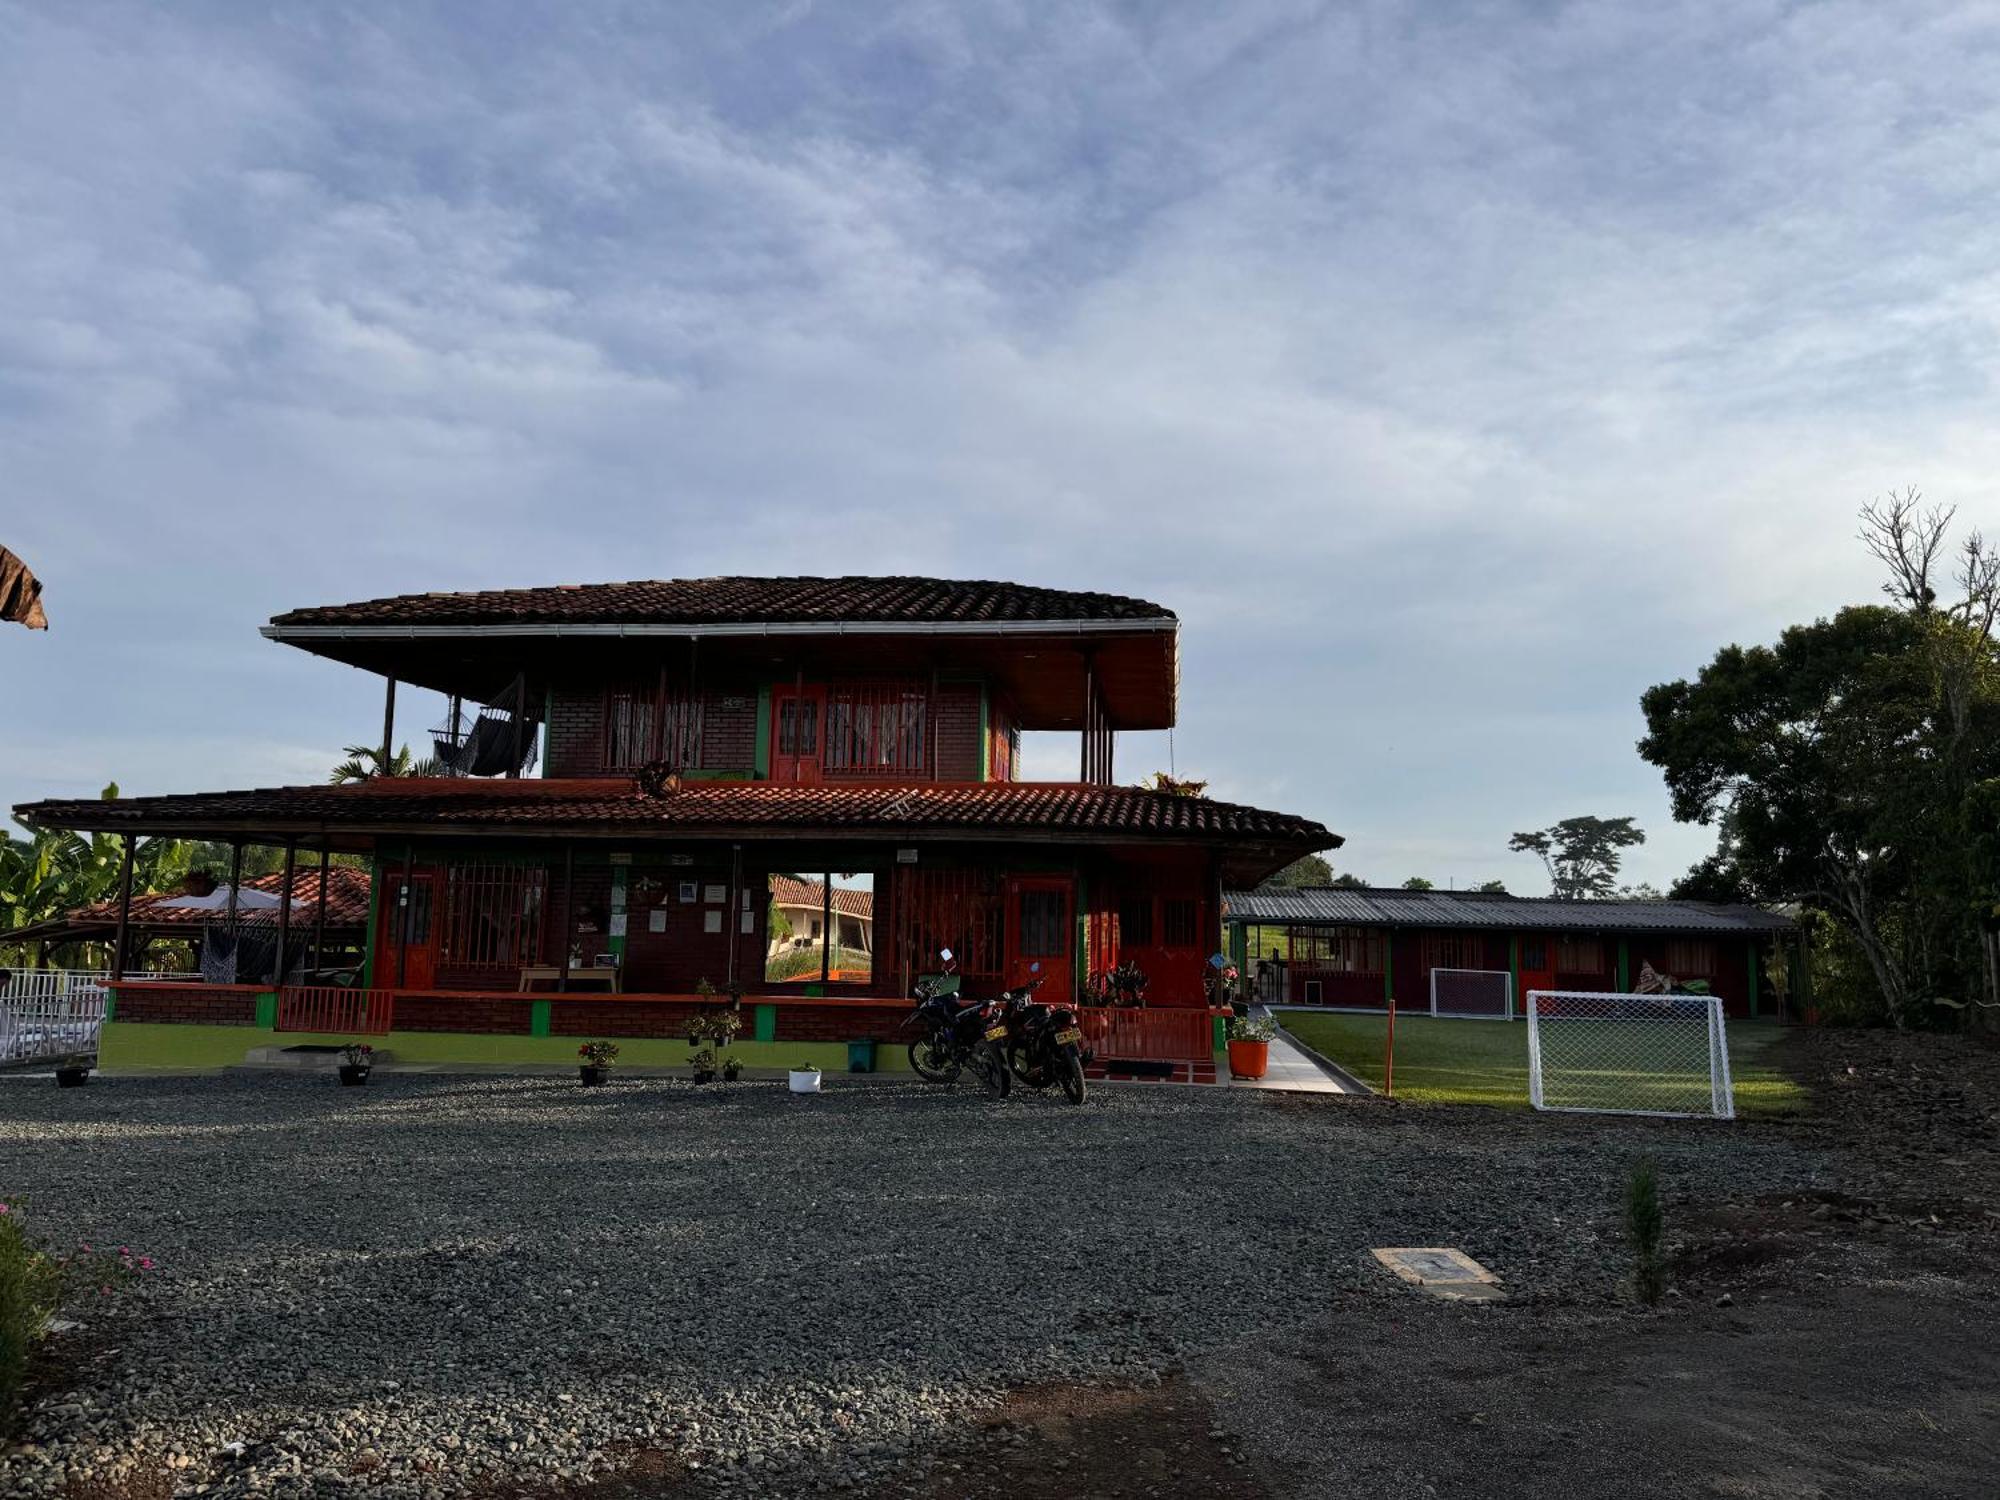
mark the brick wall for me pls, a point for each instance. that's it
(729, 729)
(958, 731)
(188, 1005)
(625, 1018)
(843, 1023)
(496, 1015)
(576, 733)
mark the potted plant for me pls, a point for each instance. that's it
(732, 1069)
(72, 1072)
(597, 1060)
(708, 1033)
(356, 1058)
(805, 1079)
(1250, 1047)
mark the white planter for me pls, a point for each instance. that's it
(805, 1080)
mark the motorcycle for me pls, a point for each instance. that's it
(959, 1034)
(1044, 1042)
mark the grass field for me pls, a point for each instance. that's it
(1486, 1062)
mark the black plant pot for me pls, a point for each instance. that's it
(72, 1078)
(731, 1074)
(592, 1077)
(704, 1075)
(352, 1075)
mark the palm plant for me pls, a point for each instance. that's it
(365, 763)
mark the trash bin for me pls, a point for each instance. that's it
(860, 1057)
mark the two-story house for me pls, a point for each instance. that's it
(695, 743)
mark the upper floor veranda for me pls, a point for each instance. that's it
(805, 680)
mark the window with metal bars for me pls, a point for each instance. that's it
(1690, 957)
(492, 915)
(1180, 922)
(642, 725)
(1347, 950)
(1454, 950)
(1579, 955)
(876, 728)
(955, 909)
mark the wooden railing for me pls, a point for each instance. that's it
(1162, 1034)
(319, 1008)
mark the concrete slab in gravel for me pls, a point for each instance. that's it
(1443, 1273)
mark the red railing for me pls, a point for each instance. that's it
(320, 1008)
(1157, 1035)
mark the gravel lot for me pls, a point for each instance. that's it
(437, 1285)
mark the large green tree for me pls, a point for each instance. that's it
(1581, 854)
(1308, 869)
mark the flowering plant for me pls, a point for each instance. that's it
(358, 1055)
(1244, 1029)
(37, 1281)
(598, 1054)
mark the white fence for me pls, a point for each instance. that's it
(49, 1014)
(1628, 1054)
(1475, 994)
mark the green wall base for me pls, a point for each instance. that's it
(143, 1047)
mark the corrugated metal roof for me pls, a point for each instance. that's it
(1328, 905)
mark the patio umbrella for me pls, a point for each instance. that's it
(20, 593)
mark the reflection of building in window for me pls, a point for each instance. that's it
(801, 908)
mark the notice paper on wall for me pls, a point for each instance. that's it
(714, 895)
(711, 921)
(617, 925)
(656, 920)
(749, 921)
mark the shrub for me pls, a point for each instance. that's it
(1244, 1029)
(1645, 1221)
(598, 1054)
(35, 1284)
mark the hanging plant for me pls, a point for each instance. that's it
(657, 778)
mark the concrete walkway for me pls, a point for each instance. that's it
(1295, 1070)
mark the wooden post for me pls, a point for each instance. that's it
(520, 713)
(285, 911)
(319, 915)
(124, 910)
(388, 728)
(452, 735)
(403, 916)
(568, 933)
(235, 883)
(732, 923)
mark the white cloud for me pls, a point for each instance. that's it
(1457, 372)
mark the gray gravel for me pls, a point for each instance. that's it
(424, 1285)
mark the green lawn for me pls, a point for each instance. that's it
(1486, 1062)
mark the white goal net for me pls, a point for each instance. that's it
(1486, 994)
(1628, 1054)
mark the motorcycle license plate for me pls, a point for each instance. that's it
(1064, 1038)
(996, 1033)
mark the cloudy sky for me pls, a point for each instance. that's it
(1455, 370)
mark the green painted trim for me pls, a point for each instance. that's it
(267, 1011)
(1221, 1032)
(1624, 966)
(985, 738)
(539, 1013)
(764, 1023)
(1388, 969)
(111, 1003)
(374, 912)
(763, 757)
(1755, 1007)
(140, 1047)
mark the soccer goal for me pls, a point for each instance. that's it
(1628, 1054)
(1473, 994)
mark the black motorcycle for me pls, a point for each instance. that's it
(959, 1034)
(1044, 1042)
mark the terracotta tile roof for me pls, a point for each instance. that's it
(347, 906)
(703, 808)
(1331, 905)
(723, 601)
(789, 890)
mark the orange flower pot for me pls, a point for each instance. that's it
(1249, 1059)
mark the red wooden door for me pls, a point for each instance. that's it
(798, 734)
(1041, 929)
(406, 945)
(1537, 968)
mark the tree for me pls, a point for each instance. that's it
(1418, 883)
(1310, 869)
(364, 763)
(1830, 761)
(1349, 883)
(1581, 854)
(1491, 887)
(55, 871)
